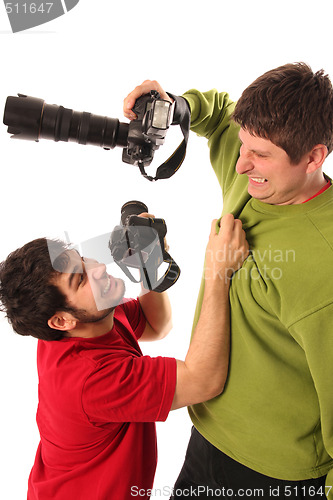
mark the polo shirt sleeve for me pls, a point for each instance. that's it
(130, 389)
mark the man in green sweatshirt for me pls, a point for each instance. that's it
(271, 432)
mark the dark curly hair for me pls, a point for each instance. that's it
(28, 295)
(291, 106)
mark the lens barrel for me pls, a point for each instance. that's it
(132, 208)
(31, 118)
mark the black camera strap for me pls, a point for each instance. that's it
(170, 276)
(168, 279)
(181, 117)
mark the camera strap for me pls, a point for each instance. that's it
(170, 276)
(168, 279)
(181, 117)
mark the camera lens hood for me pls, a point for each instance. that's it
(23, 114)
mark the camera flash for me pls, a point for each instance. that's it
(161, 114)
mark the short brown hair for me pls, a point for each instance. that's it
(291, 106)
(27, 293)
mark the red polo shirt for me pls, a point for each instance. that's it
(98, 401)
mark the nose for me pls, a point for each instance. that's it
(95, 269)
(244, 163)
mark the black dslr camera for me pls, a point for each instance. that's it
(138, 244)
(32, 119)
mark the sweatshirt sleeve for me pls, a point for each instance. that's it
(314, 335)
(211, 118)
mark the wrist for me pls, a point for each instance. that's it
(223, 275)
(219, 284)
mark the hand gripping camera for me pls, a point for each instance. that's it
(31, 118)
(139, 244)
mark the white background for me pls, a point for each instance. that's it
(89, 60)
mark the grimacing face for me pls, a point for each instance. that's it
(272, 177)
(89, 288)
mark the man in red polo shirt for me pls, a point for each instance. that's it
(99, 397)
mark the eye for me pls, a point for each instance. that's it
(82, 279)
(82, 276)
(261, 155)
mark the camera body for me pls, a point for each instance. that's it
(148, 131)
(139, 244)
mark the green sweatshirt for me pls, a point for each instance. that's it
(275, 415)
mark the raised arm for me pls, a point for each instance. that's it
(157, 310)
(203, 373)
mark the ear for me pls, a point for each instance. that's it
(62, 321)
(316, 158)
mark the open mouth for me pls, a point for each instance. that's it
(257, 180)
(107, 286)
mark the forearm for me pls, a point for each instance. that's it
(208, 354)
(203, 373)
(205, 368)
(157, 310)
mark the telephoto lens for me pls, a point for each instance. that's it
(31, 118)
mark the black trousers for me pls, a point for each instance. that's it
(208, 473)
